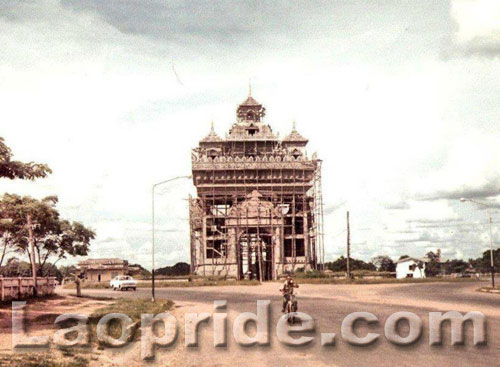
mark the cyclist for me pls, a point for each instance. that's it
(287, 291)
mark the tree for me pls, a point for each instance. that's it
(65, 238)
(384, 263)
(478, 265)
(433, 266)
(28, 171)
(16, 169)
(51, 270)
(7, 230)
(36, 229)
(15, 268)
(68, 271)
(483, 264)
(455, 266)
(30, 218)
(143, 273)
(341, 264)
(176, 270)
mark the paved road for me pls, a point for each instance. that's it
(460, 293)
(382, 301)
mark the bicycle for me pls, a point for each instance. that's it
(291, 308)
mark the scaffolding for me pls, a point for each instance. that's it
(258, 213)
(319, 223)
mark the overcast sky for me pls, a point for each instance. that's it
(399, 98)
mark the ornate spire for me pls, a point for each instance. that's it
(250, 110)
(212, 135)
(250, 101)
(295, 136)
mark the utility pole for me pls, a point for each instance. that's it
(153, 243)
(348, 247)
(492, 263)
(32, 254)
(153, 230)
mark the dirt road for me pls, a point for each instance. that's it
(329, 305)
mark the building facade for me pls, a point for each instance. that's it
(410, 267)
(103, 270)
(258, 211)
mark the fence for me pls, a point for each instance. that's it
(17, 288)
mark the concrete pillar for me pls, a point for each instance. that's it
(203, 243)
(231, 244)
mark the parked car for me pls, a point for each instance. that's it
(123, 282)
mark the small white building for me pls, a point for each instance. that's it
(103, 270)
(410, 267)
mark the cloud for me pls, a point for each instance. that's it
(404, 231)
(398, 205)
(331, 208)
(424, 237)
(199, 24)
(9, 9)
(488, 189)
(105, 107)
(168, 21)
(478, 28)
(471, 170)
(440, 221)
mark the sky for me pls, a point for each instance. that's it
(399, 99)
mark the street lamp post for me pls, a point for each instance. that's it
(153, 230)
(492, 263)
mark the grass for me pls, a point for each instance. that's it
(340, 274)
(133, 308)
(31, 301)
(41, 360)
(368, 277)
(88, 286)
(200, 283)
(489, 290)
(94, 298)
(335, 280)
(304, 278)
(75, 357)
(203, 282)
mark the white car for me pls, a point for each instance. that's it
(123, 282)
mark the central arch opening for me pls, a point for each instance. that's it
(255, 254)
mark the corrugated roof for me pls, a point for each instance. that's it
(110, 261)
(424, 259)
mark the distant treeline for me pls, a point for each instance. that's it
(433, 267)
(178, 269)
(15, 268)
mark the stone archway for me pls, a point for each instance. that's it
(255, 254)
(256, 224)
